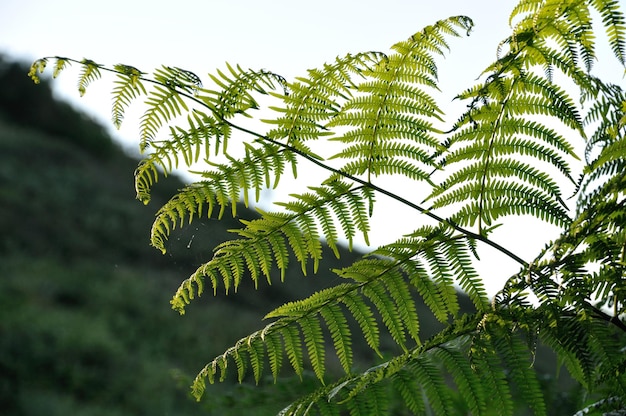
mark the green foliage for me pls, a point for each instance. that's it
(366, 116)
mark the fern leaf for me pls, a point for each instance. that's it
(392, 116)
(322, 302)
(90, 72)
(406, 385)
(164, 104)
(430, 293)
(59, 65)
(312, 100)
(128, 87)
(293, 348)
(441, 275)
(615, 23)
(468, 383)
(517, 359)
(274, 347)
(374, 401)
(260, 245)
(221, 188)
(487, 365)
(457, 253)
(36, 68)
(385, 305)
(572, 349)
(399, 291)
(493, 141)
(314, 340)
(364, 316)
(240, 356)
(340, 334)
(432, 383)
(236, 87)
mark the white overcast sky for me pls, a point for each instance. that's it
(287, 37)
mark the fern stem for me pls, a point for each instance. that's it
(599, 314)
(383, 191)
(317, 162)
(606, 317)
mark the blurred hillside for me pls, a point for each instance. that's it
(86, 326)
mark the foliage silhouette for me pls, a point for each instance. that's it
(506, 156)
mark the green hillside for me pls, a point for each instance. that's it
(86, 326)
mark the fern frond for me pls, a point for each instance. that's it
(221, 188)
(177, 78)
(59, 65)
(434, 260)
(264, 239)
(487, 365)
(256, 352)
(407, 386)
(173, 86)
(36, 68)
(432, 383)
(340, 334)
(275, 352)
(392, 115)
(364, 316)
(301, 322)
(607, 349)
(572, 347)
(323, 303)
(345, 202)
(567, 24)
(385, 305)
(405, 305)
(468, 383)
(615, 23)
(164, 104)
(311, 101)
(374, 401)
(458, 254)
(293, 348)
(235, 90)
(516, 358)
(314, 341)
(128, 87)
(186, 142)
(491, 183)
(90, 72)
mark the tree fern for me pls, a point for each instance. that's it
(365, 116)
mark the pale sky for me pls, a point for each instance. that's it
(286, 37)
